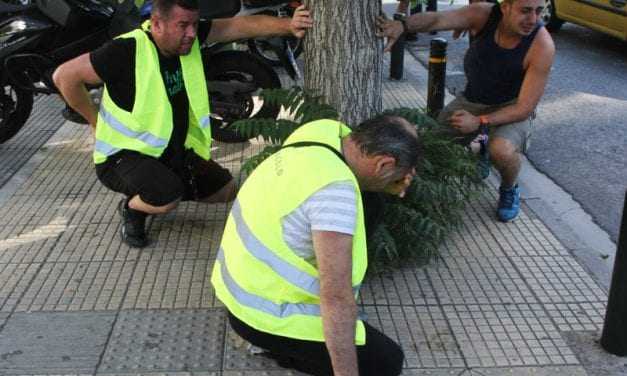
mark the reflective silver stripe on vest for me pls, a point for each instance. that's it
(205, 121)
(104, 148)
(286, 270)
(145, 137)
(259, 303)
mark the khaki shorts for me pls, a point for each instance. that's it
(518, 133)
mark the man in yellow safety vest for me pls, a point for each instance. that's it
(153, 137)
(293, 254)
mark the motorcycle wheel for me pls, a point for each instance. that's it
(15, 107)
(238, 67)
(261, 47)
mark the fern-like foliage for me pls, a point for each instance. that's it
(299, 106)
(412, 227)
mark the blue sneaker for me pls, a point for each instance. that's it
(509, 203)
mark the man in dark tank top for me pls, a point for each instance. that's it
(507, 66)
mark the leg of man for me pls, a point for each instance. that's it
(381, 356)
(211, 183)
(506, 143)
(150, 188)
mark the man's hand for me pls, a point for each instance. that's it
(399, 187)
(389, 29)
(464, 121)
(300, 22)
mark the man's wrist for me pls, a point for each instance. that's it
(484, 122)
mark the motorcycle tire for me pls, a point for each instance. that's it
(244, 68)
(256, 47)
(15, 107)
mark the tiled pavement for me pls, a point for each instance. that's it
(499, 300)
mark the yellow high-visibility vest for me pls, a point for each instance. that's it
(257, 276)
(148, 127)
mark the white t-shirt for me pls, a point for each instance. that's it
(331, 208)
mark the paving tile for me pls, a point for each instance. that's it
(535, 371)
(406, 286)
(259, 372)
(159, 284)
(478, 280)
(559, 279)
(432, 372)
(422, 332)
(165, 341)
(83, 286)
(14, 281)
(44, 120)
(49, 343)
(577, 316)
(169, 373)
(27, 243)
(512, 335)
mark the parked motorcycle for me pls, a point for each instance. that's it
(234, 78)
(36, 38)
(274, 50)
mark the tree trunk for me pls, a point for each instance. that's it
(343, 57)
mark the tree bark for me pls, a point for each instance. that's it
(343, 57)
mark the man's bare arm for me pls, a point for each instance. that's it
(337, 302)
(71, 78)
(471, 17)
(244, 27)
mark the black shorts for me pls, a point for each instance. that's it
(157, 184)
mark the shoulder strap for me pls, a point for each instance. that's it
(313, 143)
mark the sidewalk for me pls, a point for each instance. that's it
(503, 299)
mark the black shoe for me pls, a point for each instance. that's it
(133, 223)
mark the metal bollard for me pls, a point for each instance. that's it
(614, 336)
(397, 54)
(437, 76)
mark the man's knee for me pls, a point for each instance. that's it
(502, 150)
(224, 194)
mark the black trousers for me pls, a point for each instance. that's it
(380, 356)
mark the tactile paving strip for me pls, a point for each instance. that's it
(478, 280)
(237, 356)
(507, 335)
(94, 286)
(422, 332)
(556, 279)
(14, 280)
(158, 284)
(577, 316)
(54, 343)
(166, 340)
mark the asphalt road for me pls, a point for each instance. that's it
(580, 140)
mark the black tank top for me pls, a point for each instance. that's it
(495, 74)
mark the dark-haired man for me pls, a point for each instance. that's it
(290, 266)
(507, 66)
(152, 129)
